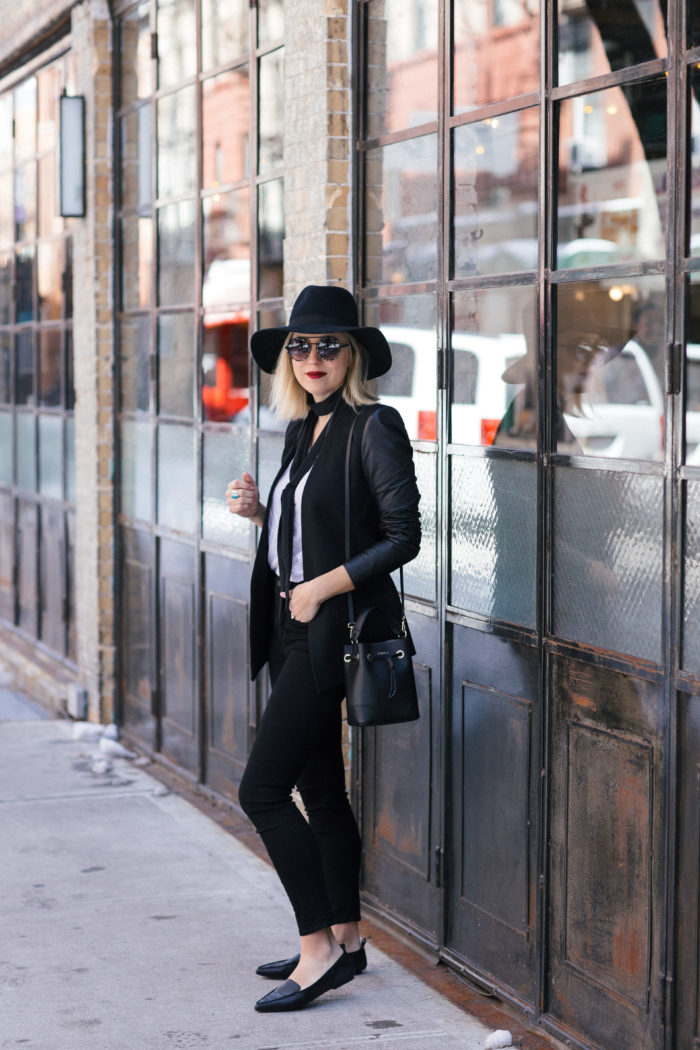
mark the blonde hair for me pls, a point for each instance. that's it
(289, 400)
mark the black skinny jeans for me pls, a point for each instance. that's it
(299, 743)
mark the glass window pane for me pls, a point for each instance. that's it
(226, 234)
(134, 362)
(5, 130)
(24, 275)
(51, 456)
(176, 254)
(693, 23)
(136, 158)
(269, 458)
(136, 471)
(225, 458)
(5, 448)
(224, 31)
(692, 373)
(694, 166)
(401, 217)
(493, 530)
(177, 36)
(7, 215)
(24, 367)
(270, 111)
(25, 119)
(608, 553)
(609, 368)
(136, 79)
(137, 257)
(402, 74)
(49, 86)
(25, 445)
(270, 21)
(496, 51)
(420, 575)
(49, 279)
(410, 386)
(691, 580)
(270, 239)
(5, 388)
(177, 153)
(5, 287)
(494, 367)
(225, 367)
(176, 481)
(70, 385)
(225, 117)
(25, 201)
(50, 222)
(596, 38)
(50, 342)
(176, 364)
(612, 176)
(496, 166)
(70, 459)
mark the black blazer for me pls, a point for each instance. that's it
(384, 531)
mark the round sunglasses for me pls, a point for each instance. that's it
(327, 347)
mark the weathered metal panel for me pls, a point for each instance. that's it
(137, 635)
(493, 805)
(688, 892)
(606, 860)
(227, 672)
(179, 708)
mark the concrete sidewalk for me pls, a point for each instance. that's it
(130, 921)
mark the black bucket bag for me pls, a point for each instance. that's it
(380, 687)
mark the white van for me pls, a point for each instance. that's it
(622, 412)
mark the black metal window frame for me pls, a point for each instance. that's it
(54, 515)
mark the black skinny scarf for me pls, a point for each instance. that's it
(304, 459)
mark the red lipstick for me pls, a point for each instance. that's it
(315, 375)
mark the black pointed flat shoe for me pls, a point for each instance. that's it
(280, 970)
(289, 996)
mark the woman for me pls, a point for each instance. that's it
(298, 615)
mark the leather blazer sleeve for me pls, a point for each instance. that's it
(387, 462)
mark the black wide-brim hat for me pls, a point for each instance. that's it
(321, 310)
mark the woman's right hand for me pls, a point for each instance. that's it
(242, 496)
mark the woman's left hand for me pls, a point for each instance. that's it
(304, 602)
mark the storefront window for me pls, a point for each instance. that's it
(612, 176)
(594, 40)
(495, 57)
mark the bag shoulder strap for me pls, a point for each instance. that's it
(351, 607)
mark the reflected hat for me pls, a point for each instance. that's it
(321, 310)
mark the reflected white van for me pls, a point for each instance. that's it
(621, 416)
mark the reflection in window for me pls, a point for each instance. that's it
(25, 450)
(495, 59)
(224, 31)
(25, 119)
(408, 322)
(225, 118)
(692, 372)
(226, 234)
(271, 111)
(494, 371)
(177, 54)
(496, 164)
(5, 287)
(612, 176)
(136, 160)
(176, 254)
(177, 152)
(51, 456)
(609, 358)
(50, 360)
(5, 390)
(176, 487)
(25, 201)
(24, 292)
(401, 220)
(270, 22)
(225, 376)
(5, 130)
(135, 50)
(270, 239)
(134, 362)
(597, 38)
(176, 356)
(137, 253)
(24, 367)
(49, 274)
(401, 65)
(7, 217)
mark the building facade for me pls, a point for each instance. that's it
(511, 190)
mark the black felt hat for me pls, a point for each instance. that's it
(321, 310)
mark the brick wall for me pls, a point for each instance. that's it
(317, 145)
(93, 363)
